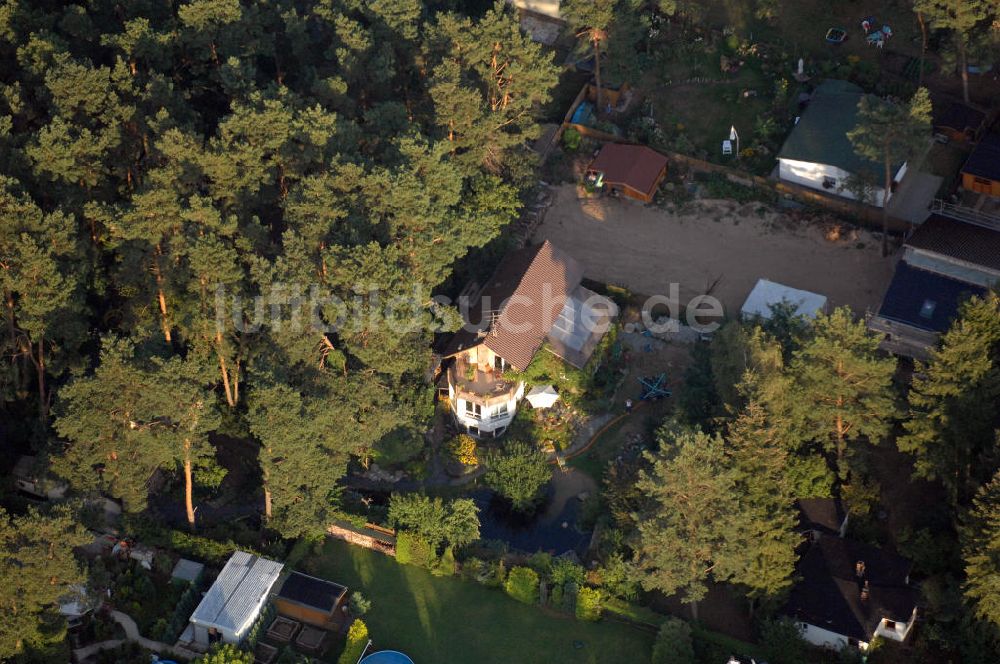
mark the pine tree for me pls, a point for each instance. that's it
(954, 403)
(683, 534)
(760, 461)
(963, 18)
(491, 80)
(37, 569)
(590, 20)
(842, 387)
(981, 552)
(889, 133)
(41, 281)
(133, 416)
(299, 463)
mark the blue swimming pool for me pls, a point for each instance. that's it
(387, 657)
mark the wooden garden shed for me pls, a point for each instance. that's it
(309, 599)
(634, 170)
(981, 172)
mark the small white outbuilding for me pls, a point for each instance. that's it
(766, 294)
(231, 606)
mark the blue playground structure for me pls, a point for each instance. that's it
(654, 387)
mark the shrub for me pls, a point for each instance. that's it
(445, 565)
(496, 576)
(357, 639)
(782, 642)
(226, 653)
(565, 571)
(673, 643)
(472, 568)
(522, 585)
(462, 449)
(541, 562)
(556, 597)
(360, 605)
(619, 578)
(588, 604)
(571, 139)
(570, 591)
(411, 549)
(518, 474)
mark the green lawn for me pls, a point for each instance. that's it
(435, 619)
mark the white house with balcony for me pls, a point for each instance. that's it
(533, 299)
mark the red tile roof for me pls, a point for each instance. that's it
(523, 299)
(635, 166)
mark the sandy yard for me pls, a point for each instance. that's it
(721, 247)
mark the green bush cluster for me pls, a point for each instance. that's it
(260, 625)
(522, 585)
(211, 551)
(225, 653)
(168, 631)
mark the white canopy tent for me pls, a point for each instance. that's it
(766, 294)
(542, 396)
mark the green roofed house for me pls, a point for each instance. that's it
(818, 154)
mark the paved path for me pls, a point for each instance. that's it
(131, 634)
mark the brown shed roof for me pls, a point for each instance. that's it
(522, 300)
(635, 166)
(962, 241)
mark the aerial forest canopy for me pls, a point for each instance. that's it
(161, 158)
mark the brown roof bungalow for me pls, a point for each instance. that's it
(634, 170)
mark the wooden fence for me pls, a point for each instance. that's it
(372, 536)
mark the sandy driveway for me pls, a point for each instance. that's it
(717, 246)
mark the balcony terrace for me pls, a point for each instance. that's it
(485, 387)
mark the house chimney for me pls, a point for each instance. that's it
(859, 569)
(865, 592)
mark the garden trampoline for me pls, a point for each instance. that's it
(387, 657)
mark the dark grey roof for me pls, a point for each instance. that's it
(984, 162)
(829, 592)
(956, 239)
(959, 117)
(820, 137)
(923, 299)
(825, 515)
(312, 592)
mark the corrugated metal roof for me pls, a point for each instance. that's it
(233, 599)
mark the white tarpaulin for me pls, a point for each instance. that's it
(542, 397)
(768, 293)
